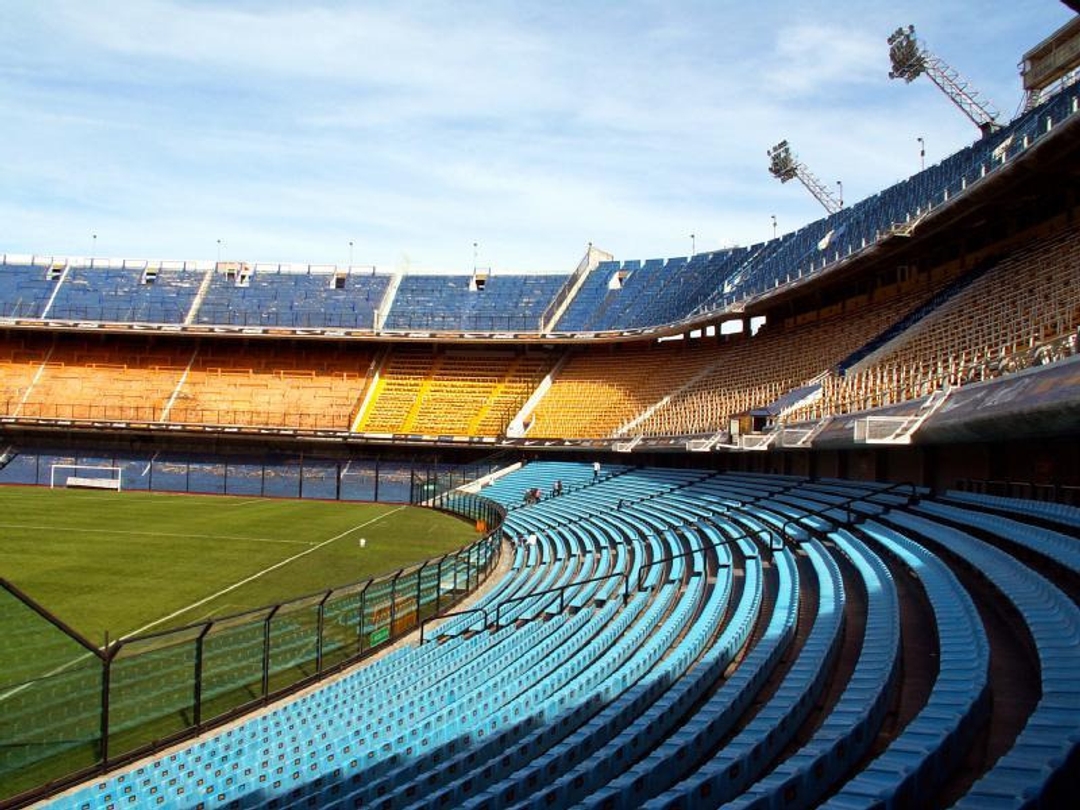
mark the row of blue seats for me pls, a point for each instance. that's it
(437, 777)
(238, 787)
(619, 702)
(1047, 746)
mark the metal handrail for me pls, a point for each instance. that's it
(846, 505)
(561, 590)
(429, 619)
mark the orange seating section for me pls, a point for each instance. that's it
(754, 372)
(226, 383)
(271, 385)
(1028, 298)
(597, 391)
(84, 378)
(673, 389)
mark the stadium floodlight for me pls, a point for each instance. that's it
(784, 166)
(911, 59)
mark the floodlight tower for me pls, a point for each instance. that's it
(911, 59)
(784, 166)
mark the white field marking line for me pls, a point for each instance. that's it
(156, 534)
(74, 661)
(258, 574)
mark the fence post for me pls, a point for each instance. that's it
(266, 651)
(197, 713)
(319, 624)
(393, 599)
(438, 586)
(360, 624)
(420, 588)
(106, 679)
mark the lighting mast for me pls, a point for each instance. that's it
(784, 166)
(911, 59)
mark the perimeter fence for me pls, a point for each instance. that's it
(70, 708)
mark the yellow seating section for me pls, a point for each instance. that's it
(452, 393)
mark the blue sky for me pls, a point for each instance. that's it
(414, 129)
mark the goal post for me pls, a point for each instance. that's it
(86, 476)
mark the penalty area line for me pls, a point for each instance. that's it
(258, 574)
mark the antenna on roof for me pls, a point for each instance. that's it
(784, 166)
(911, 59)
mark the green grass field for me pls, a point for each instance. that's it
(138, 562)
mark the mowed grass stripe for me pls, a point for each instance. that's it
(186, 611)
(122, 560)
(58, 527)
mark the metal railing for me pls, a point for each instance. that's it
(851, 515)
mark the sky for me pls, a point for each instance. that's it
(439, 136)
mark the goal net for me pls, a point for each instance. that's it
(86, 476)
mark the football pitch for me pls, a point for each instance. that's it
(138, 562)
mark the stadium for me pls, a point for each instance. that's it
(787, 524)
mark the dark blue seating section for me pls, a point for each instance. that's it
(24, 290)
(294, 299)
(126, 295)
(503, 303)
(669, 638)
(633, 294)
(614, 296)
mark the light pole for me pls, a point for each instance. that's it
(922, 153)
(219, 251)
(474, 258)
(840, 185)
(350, 252)
(773, 225)
(93, 249)
(693, 245)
